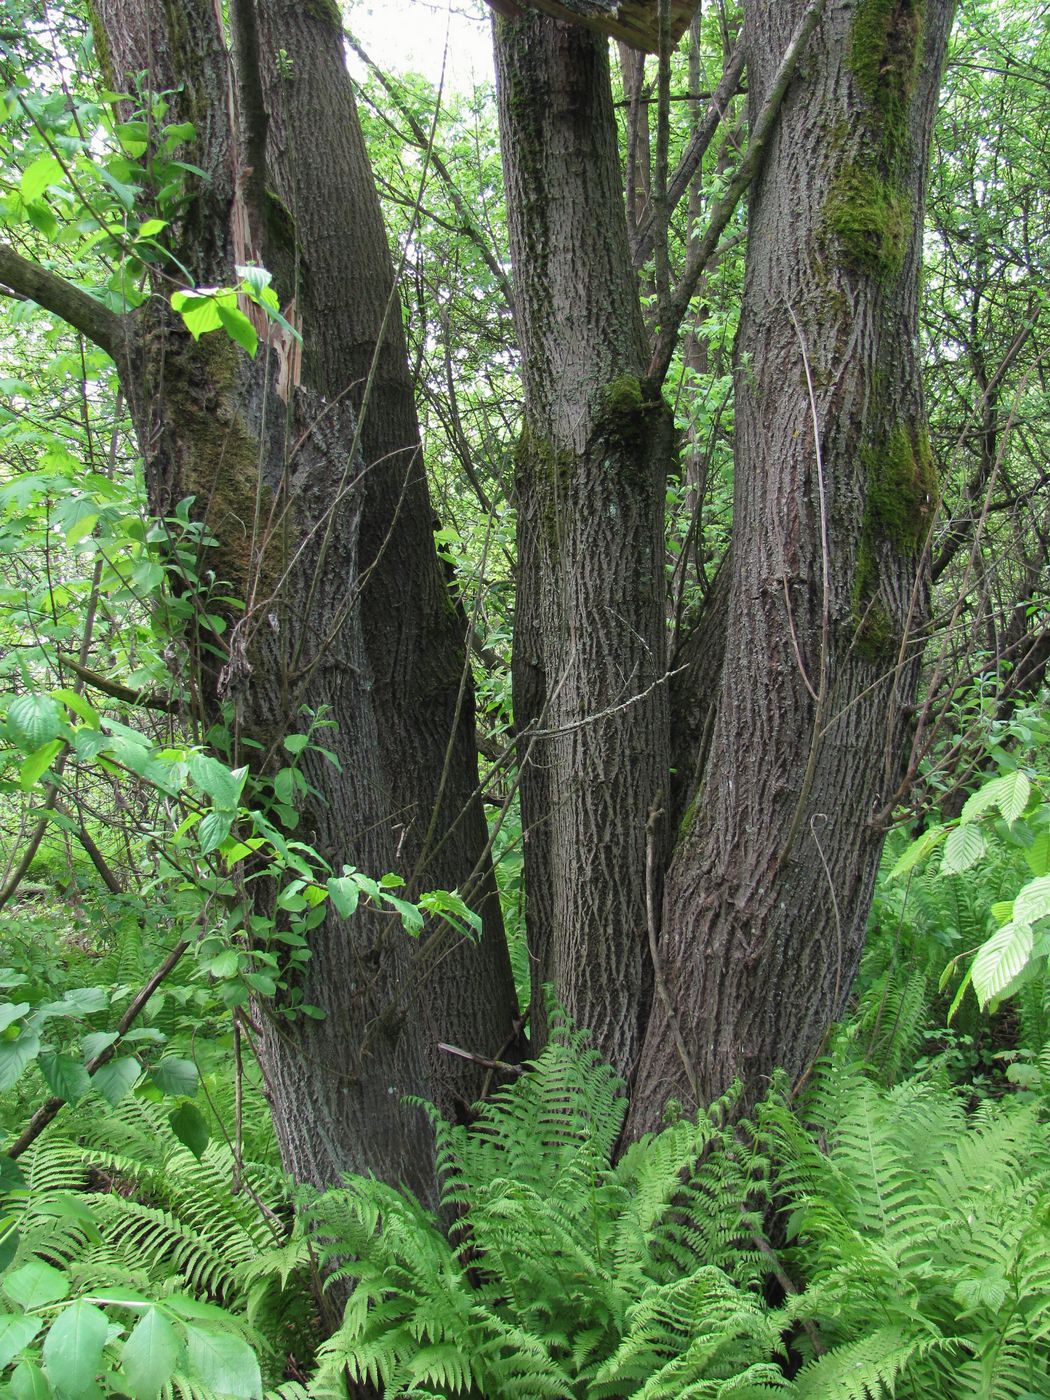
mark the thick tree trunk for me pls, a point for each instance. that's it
(770, 885)
(276, 464)
(589, 650)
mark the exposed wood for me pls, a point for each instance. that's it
(634, 22)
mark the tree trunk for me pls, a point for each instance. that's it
(589, 648)
(770, 884)
(276, 461)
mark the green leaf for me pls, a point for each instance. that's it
(174, 1076)
(66, 1077)
(1038, 854)
(96, 1042)
(919, 849)
(12, 1177)
(28, 1382)
(151, 1355)
(12, 1011)
(78, 705)
(191, 1128)
(78, 1001)
(36, 178)
(410, 915)
(15, 1055)
(295, 743)
(223, 785)
(36, 1284)
(345, 893)
(223, 1361)
(1000, 960)
(1033, 901)
(963, 848)
(239, 328)
(16, 1332)
(37, 764)
(33, 720)
(224, 964)
(213, 831)
(9, 1242)
(1013, 797)
(116, 1079)
(73, 1349)
(199, 312)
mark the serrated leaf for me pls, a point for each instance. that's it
(150, 1355)
(1013, 796)
(191, 1128)
(173, 1076)
(33, 720)
(1038, 854)
(1000, 960)
(1033, 901)
(15, 1055)
(919, 849)
(66, 1077)
(16, 1332)
(964, 848)
(116, 1079)
(73, 1348)
(36, 1284)
(223, 1361)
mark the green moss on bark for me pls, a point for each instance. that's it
(545, 472)
(902, 491)
(870, 220)
(885, 57)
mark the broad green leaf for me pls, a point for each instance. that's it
(33, 720)
(1033, 901)
(66, 1077)
(1000, 960)
(37, 764)
(151, 1355)
(295, 743)
(12, 1011)
(36, 1284)
(345, 893)
(44, 171)
(213, 831)
(78, 705)
(78, 1001)
(223, 1361)
(191, 1128)
(239, 328)
(96, 1042)
(919, 849)
(198, 310)
(12, 1177)
(28, 1382)
(224, 964)
(15, 1055)
(73, 1349)
(223, 785)
(1013, 798)
(16, 1332)
(174, 1076)
(1038, 854)
(9, 1241)
(410, 915)
(117, 1078)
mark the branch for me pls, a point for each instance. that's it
(28, 279)
(43, 1116)
(694, 152)
(701, 252)
(142, 699)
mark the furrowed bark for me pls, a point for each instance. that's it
(769, 889)
(589, 654)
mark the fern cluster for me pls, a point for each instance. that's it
(562, 1274)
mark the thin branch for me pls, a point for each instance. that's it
(105, 328)
(43, 1116)
(694, 153)
(142, 699)
(701, 252)
(651, 827)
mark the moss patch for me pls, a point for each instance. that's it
(884, 58)
(902, 493)
(545, 472)
(870, 220)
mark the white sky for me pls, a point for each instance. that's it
(410, 36)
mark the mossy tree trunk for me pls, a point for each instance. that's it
(306, 489)
(589, 649)
(770, 884)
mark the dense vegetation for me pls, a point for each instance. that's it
(877, 1224)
